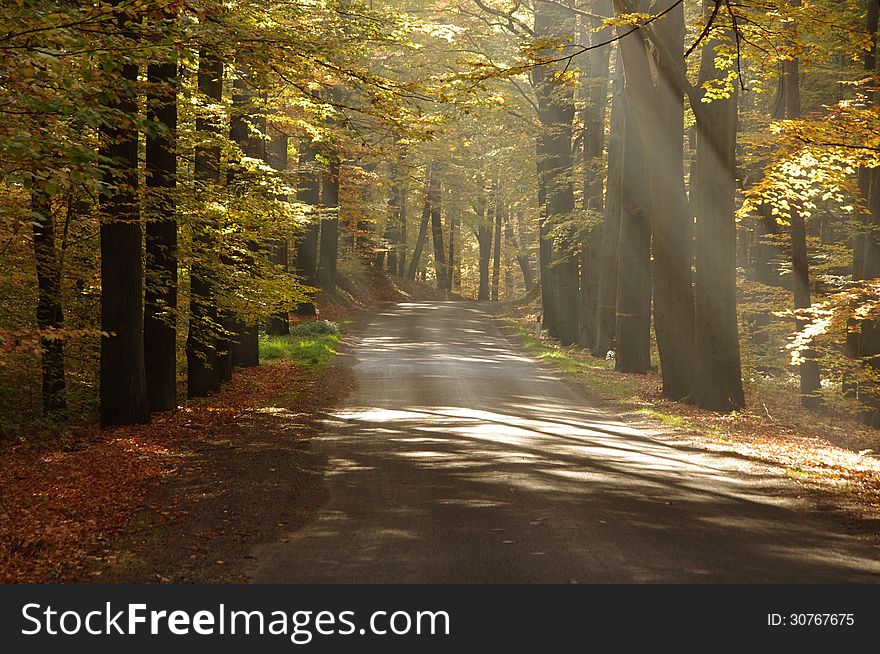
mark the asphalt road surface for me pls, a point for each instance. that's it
(459, 459)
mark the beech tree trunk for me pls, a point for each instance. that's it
(719, 380)
(50, 316)
(423, 227)
(247, 126)
(555, 99)
(810, 381)
(278, 323)
(633, 311)
(595, 85)
(309, 192)
(484, 243)
(401, 230)
(522, 256)
(434, 199)
(329, 250)
(453, 225)
(160, 295)
(545, 245)
(496, 255)
(203, 377)
(658, 110)
(606, 301)
(122, 375)
(392, 224)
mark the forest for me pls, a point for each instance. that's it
(685, 190)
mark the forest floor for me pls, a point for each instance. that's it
(148, 503)
(830, 454)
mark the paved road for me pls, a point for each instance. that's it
(458, 459)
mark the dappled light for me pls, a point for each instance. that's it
(491, 469)
(440, 291)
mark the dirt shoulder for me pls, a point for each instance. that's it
(246, 480)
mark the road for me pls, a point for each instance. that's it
(459, 459)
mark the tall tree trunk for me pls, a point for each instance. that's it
(329, 251)
(555, 99)
(278, 323)
(484, 242)
(453, 224)
(800, 265)
(509, 291)
(123, 378)
(392, 224)
(719, 380)
(203, 376)
(50, 316)
(401, 229)
(390, 238)
(659, 114)
(633, 311)
(496, 254)
(434, 199)
(513, 250)
(595, 84)
(423, 227)
(522, 256)
(545, 245)
(607, 294)
(246, 128)
(309, 192)
(160, 295)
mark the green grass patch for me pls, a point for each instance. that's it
(314, 351)
(593, 372)
(314, 328)
(667, 419)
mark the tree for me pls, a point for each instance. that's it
(633, 312)
(595, 92)
(279, 322)
(50, 315)
(554, 92)
(434, 199)
(123, 381)
(329, 248)
(719, 380)
(606, 301)
(160, 295)
(484, 241)
(203, 375)
(423, 224)
(246, 130)
(309, 192)
(658, 111)
(496, 256)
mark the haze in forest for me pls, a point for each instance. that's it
(684, 193)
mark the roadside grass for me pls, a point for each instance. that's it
(313, 351)
(597, 374)
(311, 347)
